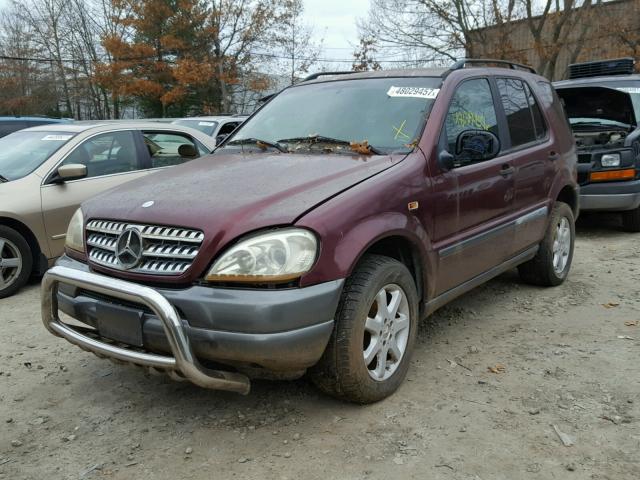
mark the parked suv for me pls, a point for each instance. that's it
(602, 100)
(316, 238)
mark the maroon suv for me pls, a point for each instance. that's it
(344, 211)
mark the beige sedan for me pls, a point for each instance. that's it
(47, 171)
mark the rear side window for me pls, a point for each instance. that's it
(538, 119)
(170, 148)
(471, 108)
(516, 107)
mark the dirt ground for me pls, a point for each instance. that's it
(570, 357)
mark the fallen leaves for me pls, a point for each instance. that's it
(610, 305)
(632, 323)
(497, 369)
(362, 148)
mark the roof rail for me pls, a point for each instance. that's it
(313, 76)
(512, 65)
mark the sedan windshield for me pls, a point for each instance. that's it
(205, 126)
(22, 152)
(387, 114)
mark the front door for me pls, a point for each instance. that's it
(472, 224)
(111, 159)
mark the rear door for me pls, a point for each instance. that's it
(529, 148)
(475, 200)
(112, 159)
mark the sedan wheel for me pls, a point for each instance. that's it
(10, 263)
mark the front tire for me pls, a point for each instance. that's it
(16, 261)
(369, 352)
(551, 265)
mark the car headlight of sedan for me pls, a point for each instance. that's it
(75, 232)
(276, 256)
(610, 160)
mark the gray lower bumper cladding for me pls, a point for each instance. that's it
(182, 364)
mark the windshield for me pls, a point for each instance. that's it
(22, 152)
(205, 126)
(387, 113)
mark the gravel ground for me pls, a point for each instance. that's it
(566, 362)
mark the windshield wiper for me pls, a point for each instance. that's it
(258, 142)
(3, 179)
(311, 139)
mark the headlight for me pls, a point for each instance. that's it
(75, 233)
(610, 160)
(277, 256)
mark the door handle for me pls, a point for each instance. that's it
(553, 156)
(507, 170)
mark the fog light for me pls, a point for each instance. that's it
(610, 160)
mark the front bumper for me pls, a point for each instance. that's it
(196, 337)
(610, 196)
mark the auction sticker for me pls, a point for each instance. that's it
(207, 124)
(57, 138)
(413, 92)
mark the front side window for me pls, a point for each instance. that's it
(388, 113)
(22, 152)
(516, 97)
(168, 148)
(106, 154)
(471, 108)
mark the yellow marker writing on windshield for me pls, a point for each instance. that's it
(399, 133)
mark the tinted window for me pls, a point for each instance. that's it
(22, 152)
(471, 108)
(106, 154)
(516, 107)
(538, 119)
(169, 148)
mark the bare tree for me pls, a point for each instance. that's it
(295, 40)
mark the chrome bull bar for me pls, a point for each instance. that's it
(183, 363)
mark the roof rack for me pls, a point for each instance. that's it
(313, 76)
(512, 65)
(615, 66)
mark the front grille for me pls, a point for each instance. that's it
(166, 250)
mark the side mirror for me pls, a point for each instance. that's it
(186, 150)
(476, 146)
(221, 138)
(73, 171)
(446, 161)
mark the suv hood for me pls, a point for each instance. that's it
(228, 195)
(598, 102)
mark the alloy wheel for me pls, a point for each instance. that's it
(10, 263)
(386, 332)
(561, 246)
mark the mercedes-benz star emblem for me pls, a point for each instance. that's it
(129, 248)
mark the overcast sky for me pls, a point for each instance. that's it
(335, 20)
